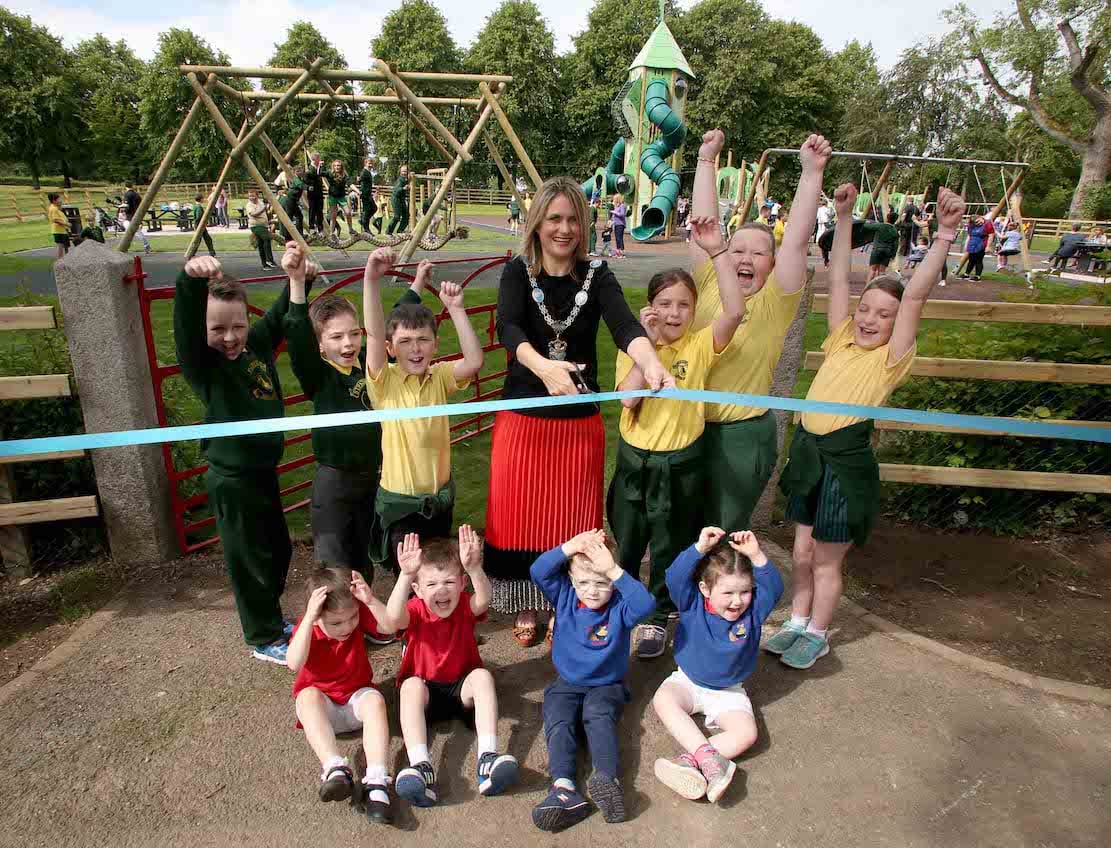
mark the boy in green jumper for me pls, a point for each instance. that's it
(325, 348)
(230, 365)
(291, 203)
(198, 214)
(338, 183)
(367, 207)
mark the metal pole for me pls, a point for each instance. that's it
(209, 204)
(160, 176)
(256, 175)
(511, 134)
(894, 157)
(403, 90)
(275, 110)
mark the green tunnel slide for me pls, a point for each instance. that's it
(653, 161)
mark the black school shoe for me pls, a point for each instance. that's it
(377, 803)
(607, 795)
(561, 809)
(337, 785)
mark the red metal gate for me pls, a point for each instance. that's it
(346, 276)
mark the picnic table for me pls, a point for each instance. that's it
(1088, 251)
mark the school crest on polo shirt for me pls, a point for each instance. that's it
(358, 391)
(599, 634)
(263, 388)
(679, 369)
(737, 632)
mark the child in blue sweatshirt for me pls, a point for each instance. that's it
(597, 604)
(724, 589)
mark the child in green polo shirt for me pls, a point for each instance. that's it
(326, 351)
(417, 494)
(338, 184)
(229, 363)
(198, 215)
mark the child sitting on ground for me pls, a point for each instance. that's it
(725, 588)
(441, 675)
(596, 604)
(917, 253)
(416, 494)
(334, 689)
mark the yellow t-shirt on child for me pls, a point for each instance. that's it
(416, 452)
(851, 374)
(59, 223)
(748, 365)
(663, 424)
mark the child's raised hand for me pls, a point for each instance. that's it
(380, 261)
(844, 198)
(470, 548)
(706, 233)
(409, 555)
(424, 274)
(316, 604)
(744, 542)
(950, 209)
(360, 589)
(712, 144)
(650, 320)
(207, 267)
(599, 556)
(709, 537)
(578, 544)
(451, 295)
(815, 153)
(294, 262)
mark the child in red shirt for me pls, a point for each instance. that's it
(334, 689)
(441, 674)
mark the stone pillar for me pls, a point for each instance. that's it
(104, 330)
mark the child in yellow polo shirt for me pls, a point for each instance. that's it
(416, 494)
(655, 496)
(59, 225)
(831, 478)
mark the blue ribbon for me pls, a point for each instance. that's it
(157, 435)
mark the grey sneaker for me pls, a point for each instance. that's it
(782, 641)
(651, 639)
(681, 775)
(605, 792)
(718, 772)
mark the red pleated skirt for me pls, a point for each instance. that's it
(546, 480)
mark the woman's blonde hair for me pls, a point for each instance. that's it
(549, 191)
(618, 198)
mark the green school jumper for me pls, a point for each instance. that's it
(198, 214)
(399, 207)
(367, 208)
(291, 203)
(242, 478)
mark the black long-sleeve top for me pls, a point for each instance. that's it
(519, 321)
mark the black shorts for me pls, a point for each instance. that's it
(881, 256)
(445, 702)
(61, 238)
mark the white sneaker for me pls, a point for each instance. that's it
(651, 640)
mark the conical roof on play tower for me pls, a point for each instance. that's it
(662, 52)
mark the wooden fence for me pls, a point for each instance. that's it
(14, 543)
(981, 369)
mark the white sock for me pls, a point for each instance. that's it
(417, 754)
(800, 621)
(487, 745)
(821, 634)
(376, 774)
(333, 762)
(565, 783)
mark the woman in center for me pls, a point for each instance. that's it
(547, 464)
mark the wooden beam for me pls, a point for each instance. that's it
(38, 386)
(210, 201)
(27, 318)
(511, 134)
(306, 77)
(878, 187)
(383, 99)
(37, 512)
(41, 457)
(429, 118)
(426, 132)
(1004, 313)
(988, 369)
(750, 195)
(990, 478)
(942, 428)
(500, 163)
(15, 542)
(303, 137)
(340, 74)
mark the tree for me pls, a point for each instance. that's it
(414, 37)
(1028, 57)
(112, 142)
(166, 96)
(303, 44)
(37, 96)
(516, 41)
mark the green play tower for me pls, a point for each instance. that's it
(648, 111)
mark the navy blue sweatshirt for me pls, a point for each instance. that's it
(591, 647)
(712, 651)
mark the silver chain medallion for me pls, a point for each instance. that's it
(557, 347)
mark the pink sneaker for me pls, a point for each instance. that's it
(681, 775)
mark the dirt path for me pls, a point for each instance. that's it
(160, 731)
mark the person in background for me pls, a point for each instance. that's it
(198, 219)
(132, 199)
(258, 219)
(1067, 249)
(314, 189)
(617, 219)
(59, 225)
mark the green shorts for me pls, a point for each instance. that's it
(61, 238)
(739, 460)
(824, 508)
(337, 201)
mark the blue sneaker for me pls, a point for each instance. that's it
(781, 641)
(417, 785)
(274, 652)
(561, 809)
(806, 651)
(496, 772)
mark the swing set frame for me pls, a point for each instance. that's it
(207, 79)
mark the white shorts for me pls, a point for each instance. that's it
(342, 716)
(712, 702)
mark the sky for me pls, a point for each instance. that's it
(248, 29)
